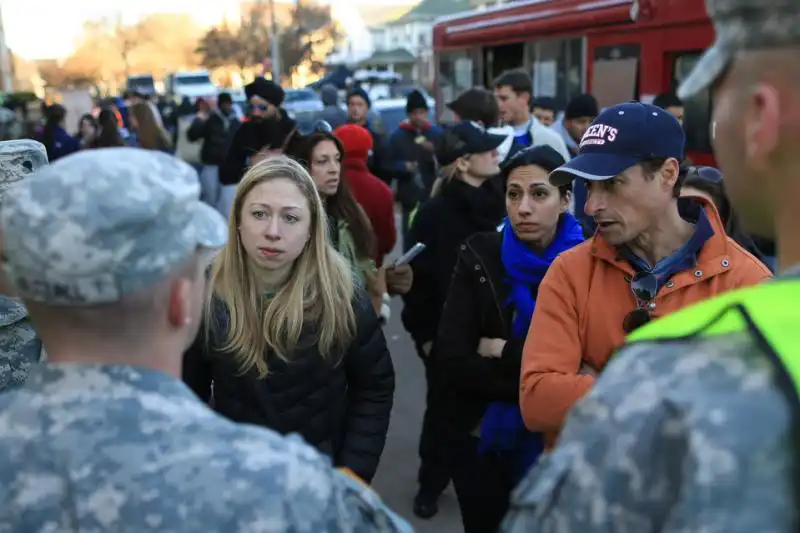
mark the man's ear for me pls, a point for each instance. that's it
(179, 310)
(669, 172)
(566, 201)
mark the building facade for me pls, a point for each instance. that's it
(405, 44)
(6, 66)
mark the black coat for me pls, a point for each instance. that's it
(216, 132)
(477, 306)
(249, 139)
(341, 409)
(404, 148)
(443, 223)
(380, 162)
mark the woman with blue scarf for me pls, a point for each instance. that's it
(483, 329)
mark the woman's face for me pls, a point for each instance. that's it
(533, 205)
(484, 165)
(326, 167)
(274, 225)
(87, 129)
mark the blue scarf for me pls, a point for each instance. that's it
(503, 431)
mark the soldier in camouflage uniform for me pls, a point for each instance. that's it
(107, 249)
(693, 426)
(19, 345)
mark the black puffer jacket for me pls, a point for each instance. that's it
(341, 409)
(477, 306)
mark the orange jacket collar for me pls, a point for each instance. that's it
(714, 251)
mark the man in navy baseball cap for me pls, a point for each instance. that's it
(629, 159)
(620, 137)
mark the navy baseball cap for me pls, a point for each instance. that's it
(466, 138)
(620, 137)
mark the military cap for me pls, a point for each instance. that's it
(19, 159)
(101, 224)
(742, 25)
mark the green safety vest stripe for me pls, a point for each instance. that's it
(412, 215)
(773, 307)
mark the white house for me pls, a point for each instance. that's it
(356, 20)
(405, 45)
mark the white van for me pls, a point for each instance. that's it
(193, 85)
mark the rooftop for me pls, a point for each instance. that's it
(375, 15)
(428, 10)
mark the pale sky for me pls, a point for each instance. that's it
(45, 29)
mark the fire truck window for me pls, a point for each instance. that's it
(697, 110)
(558, 69)
(456, 75)
(498, 59)
(615, 74)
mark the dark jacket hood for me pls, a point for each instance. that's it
(329, 95)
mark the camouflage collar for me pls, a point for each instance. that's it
(97, 380)
(11, 311)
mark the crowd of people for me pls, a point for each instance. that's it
(191, 347)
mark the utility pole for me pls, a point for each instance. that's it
(276, 53)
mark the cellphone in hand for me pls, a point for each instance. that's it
(410, 255)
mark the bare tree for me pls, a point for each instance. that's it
(110, 51)
(245, 46)
(312, 27)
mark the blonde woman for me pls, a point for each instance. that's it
(467, 201)
(290, 341)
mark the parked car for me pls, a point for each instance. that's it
(390, 113)
(303, 105)
(239, 101)
(142, 84)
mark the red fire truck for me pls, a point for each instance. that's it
(618, 50)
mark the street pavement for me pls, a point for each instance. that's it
(396, 480)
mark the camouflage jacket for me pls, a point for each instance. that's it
(684, 436)
(19, 345)
(97, 448)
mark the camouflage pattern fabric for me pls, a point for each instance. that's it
(19, 345)
(97, 448)
(18, 160)
(742, 25)
(683, 436)
(100, 224)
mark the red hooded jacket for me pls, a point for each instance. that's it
(374, 196)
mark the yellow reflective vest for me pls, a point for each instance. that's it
(769, 312)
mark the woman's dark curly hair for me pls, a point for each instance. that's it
(542, 156)
(341, 205)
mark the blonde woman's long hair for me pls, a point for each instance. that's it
(318, 294)
(446, 173)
